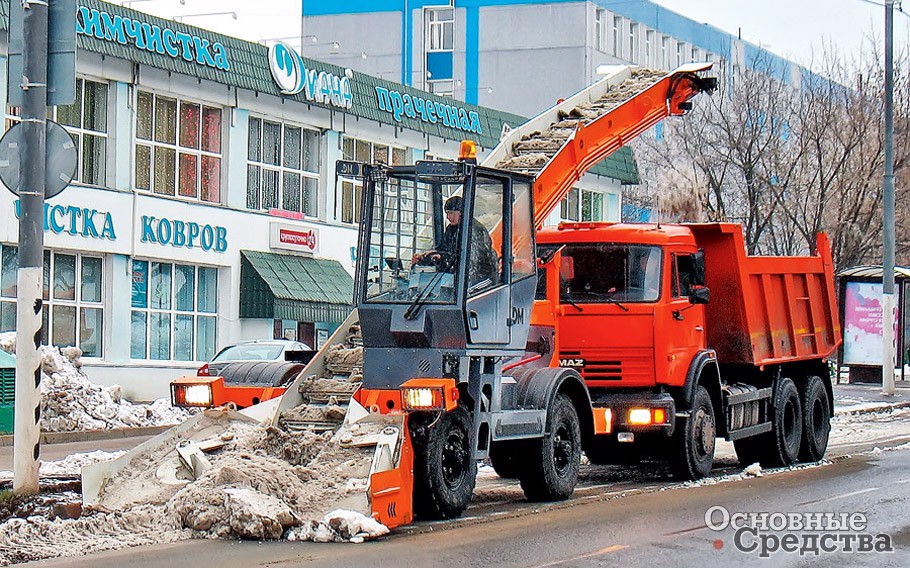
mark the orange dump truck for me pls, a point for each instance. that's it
(682, 337)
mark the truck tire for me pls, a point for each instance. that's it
(551, 470)
(445, 470)
(787, 431)
(694, 439)
(508, 458)
(816, 420)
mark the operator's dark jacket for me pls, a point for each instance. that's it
(482, 262)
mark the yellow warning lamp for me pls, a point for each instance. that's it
(467, 152)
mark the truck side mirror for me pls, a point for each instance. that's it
(699, 295)
(698, 268)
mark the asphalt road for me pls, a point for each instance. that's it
(647, 525)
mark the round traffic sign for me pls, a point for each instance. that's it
(61, 158)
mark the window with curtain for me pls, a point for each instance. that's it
(174, 309)
(178, 147)
(73, 311)
(282, 167)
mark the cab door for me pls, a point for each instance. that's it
(684, 322)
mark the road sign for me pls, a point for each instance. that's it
(61, 52)
(61, 158)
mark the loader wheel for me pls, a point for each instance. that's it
(444, 467)
(694, 439)
(508, 458)
(787, 430)
(816, 420)
(553, 461)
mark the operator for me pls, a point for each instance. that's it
(483, 263)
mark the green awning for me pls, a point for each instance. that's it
(287, 286)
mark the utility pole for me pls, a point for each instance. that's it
(888, 210)
(31, 246)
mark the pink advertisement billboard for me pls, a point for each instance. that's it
(863, 323)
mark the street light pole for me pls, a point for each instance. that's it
(888, 210)
(32, 165)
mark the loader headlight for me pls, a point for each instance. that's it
(191, 395)
(429, 394)
(424, 398)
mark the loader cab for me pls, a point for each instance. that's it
(445, 266)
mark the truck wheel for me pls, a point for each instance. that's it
(816, 420)
(694, 439)
(551, 470)
(444, 467)
(508, 458)
(787, 430)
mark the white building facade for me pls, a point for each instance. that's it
(205, 208)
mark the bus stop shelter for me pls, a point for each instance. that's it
(859, 300)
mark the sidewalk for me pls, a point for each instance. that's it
(867, 397)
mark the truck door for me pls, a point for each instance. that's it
(685, 322)
(487, 271)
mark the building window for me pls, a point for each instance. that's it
(649, 48)
(696, 55)
(568, 209)
(617, 34)
(582, 205)
(633, 43)
(86, 121)
(592, 206)
(665, 52)
(368, 152)
(173, 311)
(73, 312)
(282, 168)
(178, 148)
(600, 31)
(440, 29)
(680, 53)
(442, 88)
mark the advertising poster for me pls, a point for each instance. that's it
(863, 324)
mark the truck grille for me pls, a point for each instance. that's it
(610, 366)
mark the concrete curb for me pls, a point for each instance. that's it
(90, 435)
(883, 407)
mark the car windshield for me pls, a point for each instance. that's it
(250, 352)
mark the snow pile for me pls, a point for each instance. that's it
(340, 526)
(70, 402)
(71, 465)
(753, 470)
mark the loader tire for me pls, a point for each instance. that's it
(508, 458)
(787, 431)
(816, 420)
(553, 461)
(694, 439)
(445, 470)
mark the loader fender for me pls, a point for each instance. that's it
(538, 387)
(703, 364)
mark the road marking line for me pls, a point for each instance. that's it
(844, 496)
(606, 550)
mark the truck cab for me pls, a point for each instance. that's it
(630, 314)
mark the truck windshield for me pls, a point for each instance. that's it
(610, 272)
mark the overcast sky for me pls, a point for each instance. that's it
(792, 28)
